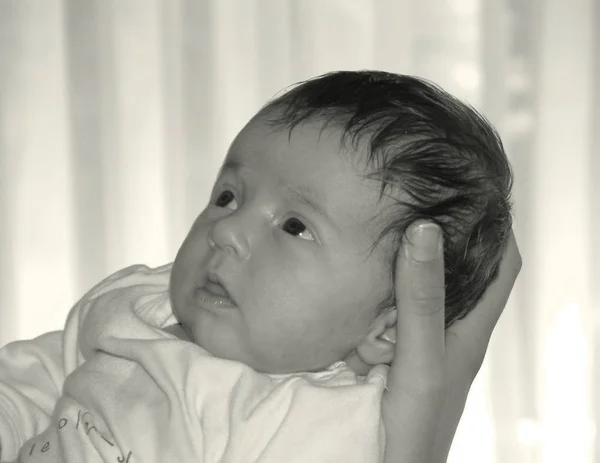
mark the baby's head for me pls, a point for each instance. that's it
(290, 266)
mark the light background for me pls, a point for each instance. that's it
(115, 116)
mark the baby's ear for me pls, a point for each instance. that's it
(379, 346)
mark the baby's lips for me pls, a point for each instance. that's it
(216, 288)
(217, 285)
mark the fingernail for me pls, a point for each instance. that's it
(425, 242)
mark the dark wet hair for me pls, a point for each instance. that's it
(444, 156)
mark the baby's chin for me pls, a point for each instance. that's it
(182, 333)
(185, 332)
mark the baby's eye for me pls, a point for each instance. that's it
(295, 227)
(225, 200)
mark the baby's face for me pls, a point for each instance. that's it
(277, 271)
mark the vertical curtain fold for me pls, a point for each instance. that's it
(88, 95)
(594, 176)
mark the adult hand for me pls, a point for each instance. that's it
(433, 369)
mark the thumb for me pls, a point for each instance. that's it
(420, 299)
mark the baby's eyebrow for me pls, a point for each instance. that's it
(311, 198)
(232, 165)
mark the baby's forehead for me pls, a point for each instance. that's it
(262, 133)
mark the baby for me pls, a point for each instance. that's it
(264, 340)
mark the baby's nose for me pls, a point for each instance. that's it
(227, 235)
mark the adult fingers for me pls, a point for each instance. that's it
(470, 336)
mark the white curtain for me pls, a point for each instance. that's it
(115, 115)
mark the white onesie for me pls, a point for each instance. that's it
(114, 387)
